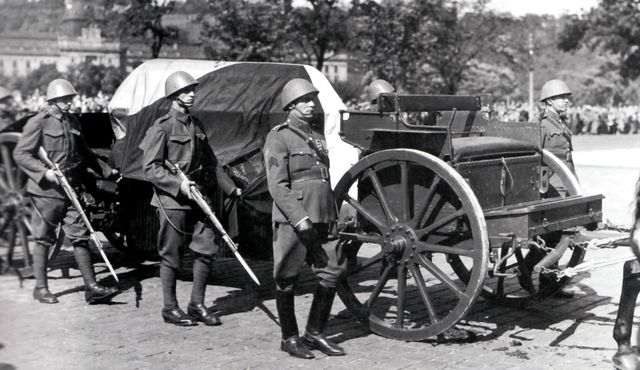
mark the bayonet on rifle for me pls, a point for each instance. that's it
(71, 194)
(199, 199)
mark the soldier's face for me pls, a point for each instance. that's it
(305, 106)
(186, 97)
(559, 103)
(64, 103)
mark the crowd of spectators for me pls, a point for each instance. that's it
(34, 102)
(582, 119)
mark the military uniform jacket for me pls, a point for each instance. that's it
(297, 175)
(59, 134)
(556, 136)
(180, 138)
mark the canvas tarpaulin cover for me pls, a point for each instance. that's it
(237, 102)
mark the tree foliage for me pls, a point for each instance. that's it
(273, 30)
(249, 31)
(141, 20)
(611, 26)
(424, 45)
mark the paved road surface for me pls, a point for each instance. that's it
(129, 333)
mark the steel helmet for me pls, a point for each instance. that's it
(377, 87)
(4, 93)
(295, 89)
(553, 88)
(178, 81)
(59, 88)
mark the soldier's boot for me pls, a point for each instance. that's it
(41, 292)
(94, 293)
(318, 316)
(196, 308)
(290, 340)
(171, 313)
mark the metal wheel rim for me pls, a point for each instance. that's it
(470, 210)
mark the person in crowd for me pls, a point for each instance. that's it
(179, 137)
(304, 219)
(58, 133)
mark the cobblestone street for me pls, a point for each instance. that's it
(129, 333)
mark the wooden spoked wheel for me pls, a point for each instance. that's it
(412, 213)
(15, 209)
(517, 291)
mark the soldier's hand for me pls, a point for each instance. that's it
(185, 188)
(50, 176)
(306, 232)
(237, 193)
(316, 256)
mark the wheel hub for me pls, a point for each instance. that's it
(400, 240)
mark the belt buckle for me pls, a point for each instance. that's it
(324, 172)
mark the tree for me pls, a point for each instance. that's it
(321, 29)
(425, 45)
(612, 26)
(38, 79)
(245, 30)
(141, 20)
(273, 30)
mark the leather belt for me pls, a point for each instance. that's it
(315, 173)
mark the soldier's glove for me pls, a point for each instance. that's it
(316, 256)
(185, 188)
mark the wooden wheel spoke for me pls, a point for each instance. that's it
(419, 215)
(7, 161)
(12, 243)
(405, 199)
(435, 271)
(424, 294)
(402, 292)
(439, 223)
(379, 286)
(384, 202)
(429, 247)
(367, 263)
(27, 224)
(360, 237)
(363, 211)
(4, 186)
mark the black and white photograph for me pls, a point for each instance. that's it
(321, 184)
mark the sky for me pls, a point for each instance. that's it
(554, 7)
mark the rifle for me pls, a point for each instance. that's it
(71, 194)
(199, 199)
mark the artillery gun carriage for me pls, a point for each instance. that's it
(447, 204)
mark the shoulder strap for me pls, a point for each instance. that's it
(309, 142)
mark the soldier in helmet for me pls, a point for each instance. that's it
(555, 134)
(304, 219)
(179, 137)
(6, 115)
(58, 132)
(377, 87)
